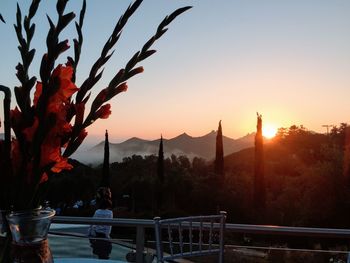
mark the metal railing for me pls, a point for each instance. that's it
(142, 224)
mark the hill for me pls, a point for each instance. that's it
(184, 144)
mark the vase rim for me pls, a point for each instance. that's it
(38, 213)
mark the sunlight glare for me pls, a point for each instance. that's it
(269, 131)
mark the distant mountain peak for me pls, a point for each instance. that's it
(133, 139)
(183, 144)
(211, 134)
(183, 136)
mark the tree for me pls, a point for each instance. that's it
(259, 176)
(106, 180)
(219, 156)
(160, 174)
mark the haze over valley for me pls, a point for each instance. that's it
(184, 144)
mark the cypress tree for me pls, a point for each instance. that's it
(160, 174)
(259, 176)
(219, 156)
(106, 181)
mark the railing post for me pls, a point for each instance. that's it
(140, 243)
(222, 229)
(158, 237)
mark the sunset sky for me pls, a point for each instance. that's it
(222, 60)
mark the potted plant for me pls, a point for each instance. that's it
(50, 124)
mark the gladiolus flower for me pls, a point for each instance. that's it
(103, 112)
(61, 165)
(67, 87)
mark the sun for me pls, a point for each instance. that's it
(269, 131)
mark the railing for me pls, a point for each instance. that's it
(142, 224)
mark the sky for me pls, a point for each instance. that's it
(222, 60)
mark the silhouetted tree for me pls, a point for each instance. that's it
(259, 180)
(106, 180)
(219, 156)
(160, 174)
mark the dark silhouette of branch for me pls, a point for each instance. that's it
(118, 82)
(105, 53)
(22, 93)
(2, 19)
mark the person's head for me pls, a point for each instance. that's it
(105, 204)
(103, 193)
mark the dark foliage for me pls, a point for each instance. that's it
(304, 177)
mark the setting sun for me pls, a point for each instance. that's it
(269, 131)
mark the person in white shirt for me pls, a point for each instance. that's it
(101, 248)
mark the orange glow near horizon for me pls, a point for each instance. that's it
(269, 131)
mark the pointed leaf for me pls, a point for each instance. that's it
(85, 100)
(116, 79)
(97, 78)
(176, 13)
(82, 14)
(33, 8)
(132, 62)
(66, 19)
(19, 16)
(147, 54)
(148, 44)
(2, 19)
(31, 32)
(104, 60)
(30, 56)
(60, 6)
(52, 25)
(134, 72)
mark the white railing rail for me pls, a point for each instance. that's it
(141, 224)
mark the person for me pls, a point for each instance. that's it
(102, 194)
(101, 248)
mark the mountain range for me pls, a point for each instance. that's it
(184, 144)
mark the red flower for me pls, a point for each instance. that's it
(103, 112)
(61, 165)
(66, 87)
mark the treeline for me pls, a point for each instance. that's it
(306, 182)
